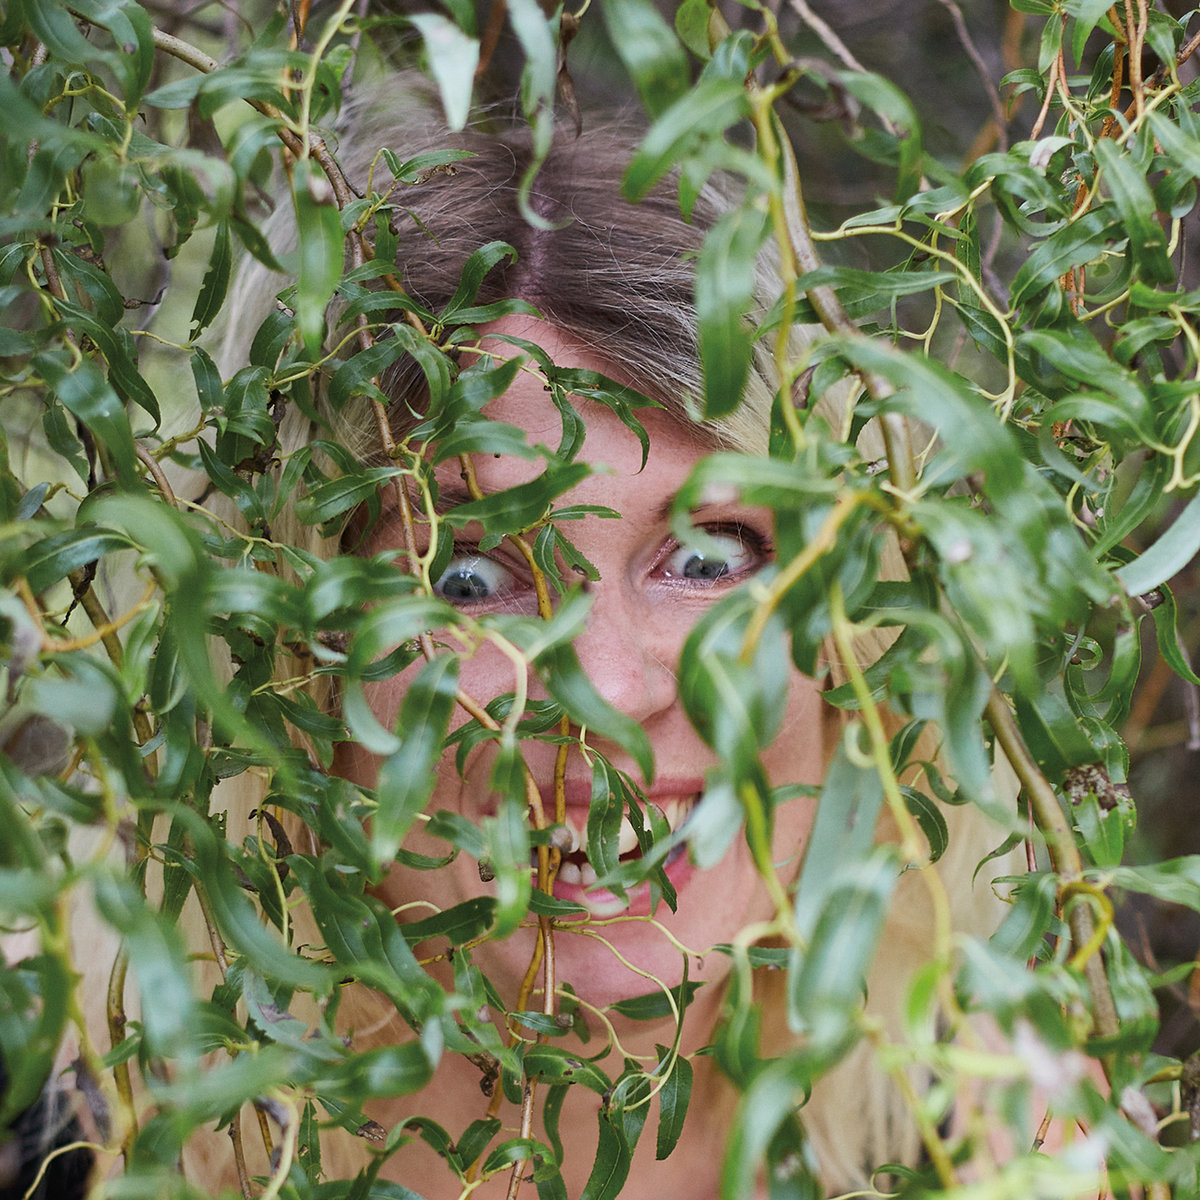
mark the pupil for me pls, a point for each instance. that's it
(701, 568)
(464, 585)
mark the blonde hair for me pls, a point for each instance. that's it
(618, 278)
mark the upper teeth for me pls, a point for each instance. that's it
(673, 811)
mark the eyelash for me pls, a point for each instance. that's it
(758, 546)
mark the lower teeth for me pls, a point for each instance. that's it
(583, 874)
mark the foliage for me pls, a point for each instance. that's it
(1027, 307)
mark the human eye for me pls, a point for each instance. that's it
(473, 578)
(724, 554)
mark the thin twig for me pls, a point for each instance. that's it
(116, 1020)
(968, 44)
(1065, 858)
(897, 439)
(157, 474)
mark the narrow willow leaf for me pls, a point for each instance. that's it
(319, 255)
(54, 558)
(1086, 15)
(1166, 633)
(613, 1160)
(536, 33)
(1179, 146)
(1131, 194)
(86, 394)
(453, 56)
(1080, 242)
(160, 965)
(555, 1064)
(893, 107)
(133, 55)
(827, 986)
(650, 51)
(457, 925)
(237, 919)
(407, 777)
(655, 1005)
(707, 111)
(1176, 881)
(929, 818)
(567, 683)
(769, 1100)
(517, 508)
(725, 277)
(673, 1099)
(1167, 556)
(215, 287)
(605, 811)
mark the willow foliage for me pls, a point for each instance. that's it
(1033, 307)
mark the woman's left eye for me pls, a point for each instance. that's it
(724, 555)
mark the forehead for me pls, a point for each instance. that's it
(674, 446)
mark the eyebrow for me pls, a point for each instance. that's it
(450, 496)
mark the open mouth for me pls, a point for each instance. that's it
(572, 838)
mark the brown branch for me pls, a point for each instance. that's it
(1065, 858)
(157, 474)
(897, 440)
(981, 69)
(116, 1021)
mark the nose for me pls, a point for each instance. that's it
(627, 654)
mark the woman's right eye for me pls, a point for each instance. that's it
(473, 579)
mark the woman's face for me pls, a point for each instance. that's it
(651, 591)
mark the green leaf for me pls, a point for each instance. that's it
(407, 777)
(891, 105)
(54, 558)
(692, 24)
(133, 55)
(655, 1005)
(650, 51)
(673, 1099)
(335, 497)
(558, 1065)
(1086, 15)
(460, 924)
(1052, 731)
(613, 1159)
(453, 57)
(1080, 242)
(725, 277)
(319, 255)
(1166, 632)
(1131, 194)
(1177, 881)
(1167, 556)
(159, 962)
(85, 392)
(705, 112)
(474, 271)
(216, 281)
(771, 1099)
(517, 508)
(118, 349)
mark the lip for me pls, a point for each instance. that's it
(665, 793)
(678, 868)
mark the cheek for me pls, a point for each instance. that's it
(797, 755)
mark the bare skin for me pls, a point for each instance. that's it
(651, 591)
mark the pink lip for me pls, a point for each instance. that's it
(604, 904)
(678, 867)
